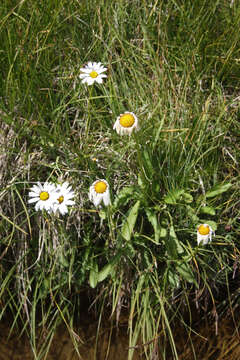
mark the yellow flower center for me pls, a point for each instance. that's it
(204, 229)
(127, 120)
(93, 74)
(100, 187)
(60, 199)
(44, 195)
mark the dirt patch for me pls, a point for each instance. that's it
(202, 344)
(111, 344)
(205, 344)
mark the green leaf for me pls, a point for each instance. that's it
(218, 189)
(208, 210)
(163, 232)
(129, 223)
(173, 278)
(93, 276)
(140, 181)
(125, 195)
(148, 167)
(106, 270)
(186, 272)
(103, 214)
(173, 247)
(173, 196)
(186, 197)
(152, 217)
(192, 214)
(63, 261)
(177, 243)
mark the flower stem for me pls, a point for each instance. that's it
(139, 157)
(88, 112)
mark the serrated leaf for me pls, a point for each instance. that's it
(208, 210)
(129, 223)
(152, 217)
(93, 276)
(218, 189)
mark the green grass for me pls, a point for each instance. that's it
(175, 64)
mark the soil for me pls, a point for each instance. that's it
(204, 344)
(111, 344)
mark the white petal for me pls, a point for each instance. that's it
(70, 192)
(106, 198)
(33, 194)
(86, 71)
(85, 80)
(37, 206)
(42, 206)
(83, 76)
(90, 64)
(99, 80)
(97, 199)
(70, 196)
(65, 185)
(63, 209)
(202, 239)
(101, 70)
(122, 130)
(91, 81)
(35, 188)
(33, 200)
(115, 125)
(70, 202)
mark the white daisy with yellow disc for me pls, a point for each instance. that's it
(126, 123)
(93, 72)
(43, 195)
(64, 198)
(99, 192)
(204, 234)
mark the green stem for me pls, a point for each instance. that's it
(88, 112)
(110, 223)
(139, 157)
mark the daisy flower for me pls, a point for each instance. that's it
(204, 234)
(93, 72)
(43, 195)
(64, 195)
(126, 123)
(99, 191)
